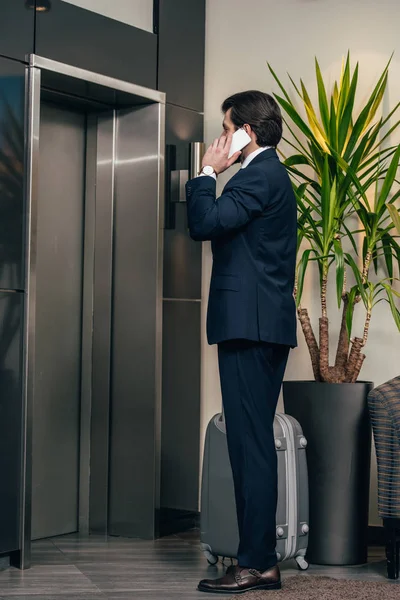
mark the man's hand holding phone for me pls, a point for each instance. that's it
(220, 156)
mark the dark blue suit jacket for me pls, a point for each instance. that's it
(253, 229)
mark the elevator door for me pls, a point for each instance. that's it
(56, 412)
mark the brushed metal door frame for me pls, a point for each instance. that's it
(37, 66)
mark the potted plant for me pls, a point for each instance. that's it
(344, 177)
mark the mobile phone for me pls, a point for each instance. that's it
(240, 139)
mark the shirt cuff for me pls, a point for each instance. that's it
(204, 175)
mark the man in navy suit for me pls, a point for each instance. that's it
(251, 316)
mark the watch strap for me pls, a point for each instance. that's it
(201, 172)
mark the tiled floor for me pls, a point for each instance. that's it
(94, 568)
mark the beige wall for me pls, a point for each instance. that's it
(138, 13)
(241, 37)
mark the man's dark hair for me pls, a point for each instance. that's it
(260, 111)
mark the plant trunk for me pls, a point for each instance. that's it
(361, 356)
(354, 359)
(357, 370)
(348, 362)
(324, 348)
(324, 287)
(310, 341)
(367, 263)
(366, 327)
(342, 353)
(296, 279)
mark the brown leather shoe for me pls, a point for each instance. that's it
(238, 581)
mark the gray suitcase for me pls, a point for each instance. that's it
(219, 531)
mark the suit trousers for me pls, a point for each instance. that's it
(251, 375)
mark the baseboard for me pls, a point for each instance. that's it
(4, 562)
(174, 521)
(376, 535)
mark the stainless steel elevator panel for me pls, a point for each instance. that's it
(102, 331)
(92, 328)
(56, 415)
(136, 342)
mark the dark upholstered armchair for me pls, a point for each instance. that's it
(384, 406)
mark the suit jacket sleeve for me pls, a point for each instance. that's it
(240, 203)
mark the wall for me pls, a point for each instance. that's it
(288, 34)
(138, 13)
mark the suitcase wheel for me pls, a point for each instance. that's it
(302, 564)
(212, 559)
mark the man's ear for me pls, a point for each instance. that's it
(247, 128)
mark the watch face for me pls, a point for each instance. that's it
(208, 170)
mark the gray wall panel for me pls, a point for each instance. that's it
(12, 98)
(82, 38)
(182, 127)
(182, 260)
(12, 166)
(181, 338)
(182, 256)
(181, 405)
(136, 305)
(16, 29)
(181, 52)
(11, 323)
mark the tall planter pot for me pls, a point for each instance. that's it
(335, 421)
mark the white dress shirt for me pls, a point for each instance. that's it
(246, 161)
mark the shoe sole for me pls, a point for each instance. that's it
(256, 588)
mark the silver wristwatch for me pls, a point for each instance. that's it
(207, 170)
